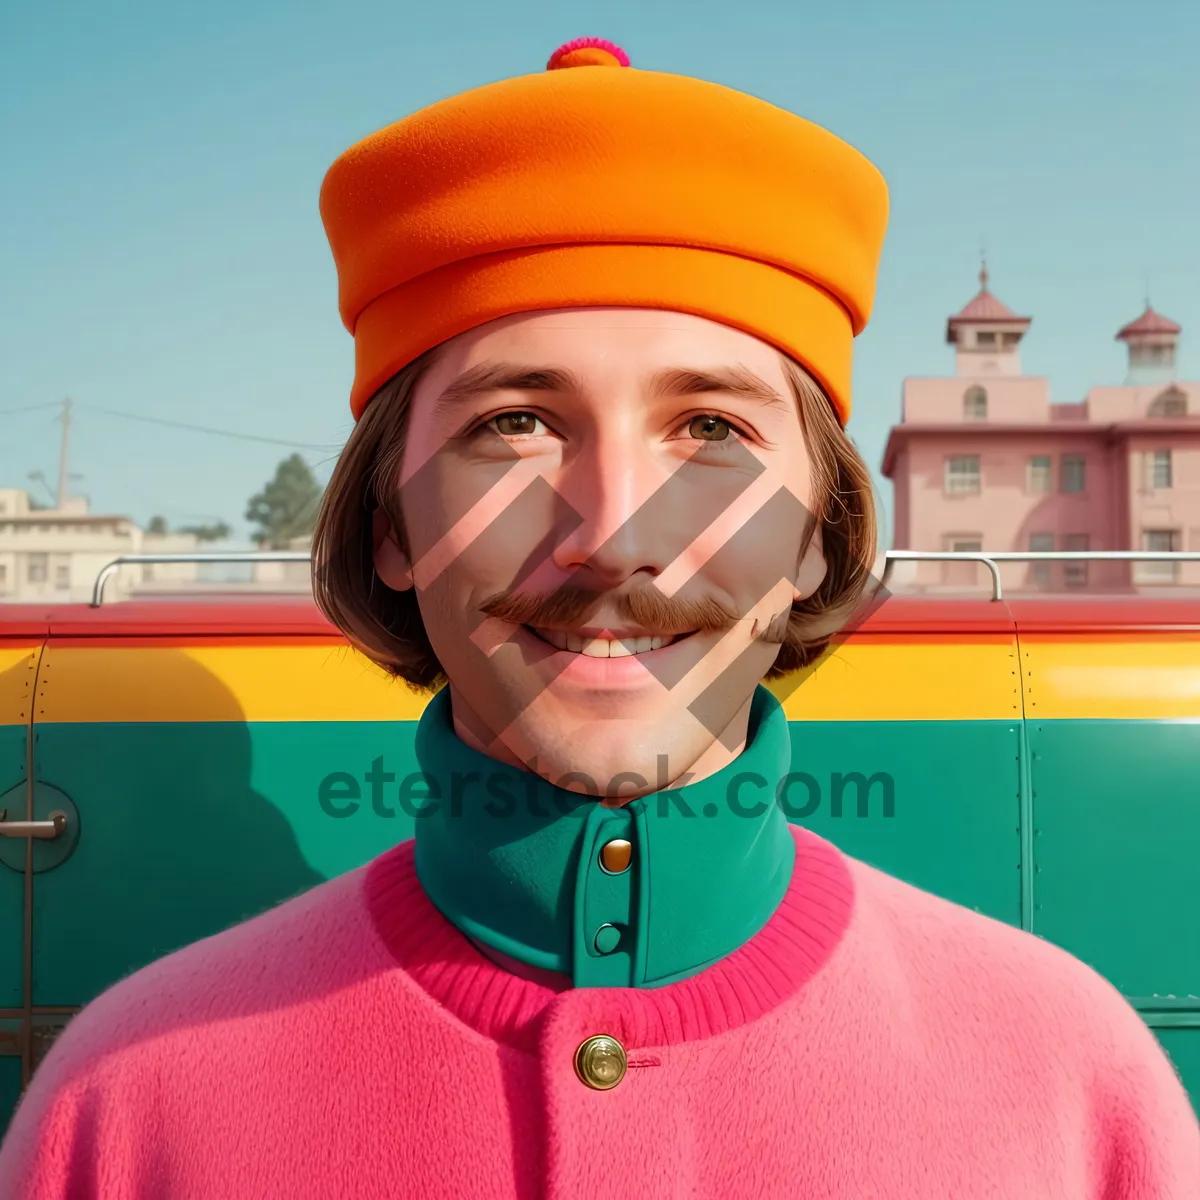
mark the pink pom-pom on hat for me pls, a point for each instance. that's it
(588, 52)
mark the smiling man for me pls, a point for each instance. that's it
(598, 490)
(639, 483)
(597, 527)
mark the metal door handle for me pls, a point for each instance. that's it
(33, 829)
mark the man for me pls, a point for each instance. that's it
(599, 485)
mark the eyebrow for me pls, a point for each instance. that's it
(673, 382)
(733, 381)
(503, 377)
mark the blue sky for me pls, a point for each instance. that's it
(162, 253)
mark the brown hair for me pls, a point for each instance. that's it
(386, 625)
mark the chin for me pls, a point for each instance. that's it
(624, 756)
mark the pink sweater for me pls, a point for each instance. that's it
(871, 1041)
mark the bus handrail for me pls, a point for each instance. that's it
(993, 558)
(990, 559)
(247, 556)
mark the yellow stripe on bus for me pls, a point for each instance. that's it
(1111, 680)
(859, 681)
(220, 683)
(18, 671)
(894, 681)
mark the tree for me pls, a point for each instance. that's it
(286, 508)
(208, 533)
(157, 525)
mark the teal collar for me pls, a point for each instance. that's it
(516, 863)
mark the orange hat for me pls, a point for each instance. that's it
(601, 184)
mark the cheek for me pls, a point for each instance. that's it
(749, 527)
(473, 536)
(763, 555)
(473, 516)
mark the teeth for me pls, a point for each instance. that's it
(605, 648)
(602, 647)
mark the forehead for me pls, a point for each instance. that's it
(609, 340)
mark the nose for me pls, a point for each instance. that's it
(621, 515)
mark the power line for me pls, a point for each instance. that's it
(229, 433)
(7, 412)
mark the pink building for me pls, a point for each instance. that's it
(984, 461)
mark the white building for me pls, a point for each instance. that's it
(53, 555)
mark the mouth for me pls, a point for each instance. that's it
(606, 645)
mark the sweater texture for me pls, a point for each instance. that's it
(871, 1040)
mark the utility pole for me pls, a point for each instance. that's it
(63, 468)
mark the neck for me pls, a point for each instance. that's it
(523, 867)
(512, 749)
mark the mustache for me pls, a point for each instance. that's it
(645, 606)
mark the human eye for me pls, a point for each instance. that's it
(714, 429)
(516, 423)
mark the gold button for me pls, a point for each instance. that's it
(600, 1062)
(615, 855)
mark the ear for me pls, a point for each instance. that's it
(813, 568)
(391, 563)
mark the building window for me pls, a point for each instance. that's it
(1160, 468)
(1159, 541)
(962, 574)
(962, 474)
(1072, 473)
(1075, 573)
(1041, 543)
(3, 575)
(1171, 403)
(985, 338)
(62, 576)
(1039, 474)
(1010, 339)
(975, 404)
(37, 568)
